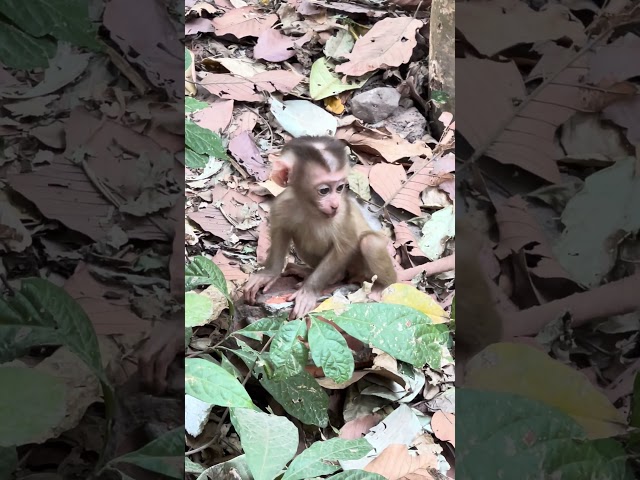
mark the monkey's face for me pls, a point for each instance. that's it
(328, 189)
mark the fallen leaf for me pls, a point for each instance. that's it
(245, 151)
(244, 22)
(444, 427)
(301, 117)
(401, 294)
(216, 116)
(531, 373)
(517, 23)
(272, 46)
(389, 43)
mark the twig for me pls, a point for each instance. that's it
(614, 298)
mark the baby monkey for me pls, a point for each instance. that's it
(327, 228)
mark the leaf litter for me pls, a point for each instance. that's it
(292, 69)
(555, 98)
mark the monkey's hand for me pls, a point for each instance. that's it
(256, 282)
(305, 302)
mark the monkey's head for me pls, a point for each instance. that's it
(317, 169)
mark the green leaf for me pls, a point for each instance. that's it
(235, 468)
(197, 309)
(587, 249)
(192, 105)
(194, 160)
(8, 462)
(187, 59)
(321, 457)
(356, 475)
(263, 327)
(188, 333)
(359, 184)
(339, 45)
(288, 354)
(542, 442)
(66, 20)
(269, 441)
(204, 141)
(21, 51)
(53, 305)
(203, 271)
(329, 350)
(324, 82)
(22, 418)
(192, 467)
(164, 455)
(212, 384)
(403, 332)
(299, 395)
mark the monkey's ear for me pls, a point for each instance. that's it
(281, 168)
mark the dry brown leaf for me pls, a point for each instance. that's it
(281, 80)
(199, 25)
(527, 139)
(626, 114)
(230, 268)
(389, 43)
(246, 120)
(248, 89)
(444, 427)
(351, 8)
(275, 47)
(226, 211)
(228, 86)
(359, 427)
(404, 236)
(62, 190)
(110, 314)
(517, 23)
(244, 22)
(389, 146)
(395, 462)
(245, 151)
(520, 231)
(216, 116)
(615, 62)
(163, 63)
(387, 180)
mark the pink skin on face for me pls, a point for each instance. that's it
(329, 203)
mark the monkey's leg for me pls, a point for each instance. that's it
(295, 270)
(374, 260)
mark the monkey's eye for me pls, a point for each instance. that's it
(324, 191)
(340, 188)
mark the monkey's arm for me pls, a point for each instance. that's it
(331, 265)
(280, 241)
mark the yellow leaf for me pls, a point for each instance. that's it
(523, 370)
(410, 296)
(334, 105)
(332, 303)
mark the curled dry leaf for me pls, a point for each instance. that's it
(388, 44)
(390, 146)
(244, 22)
